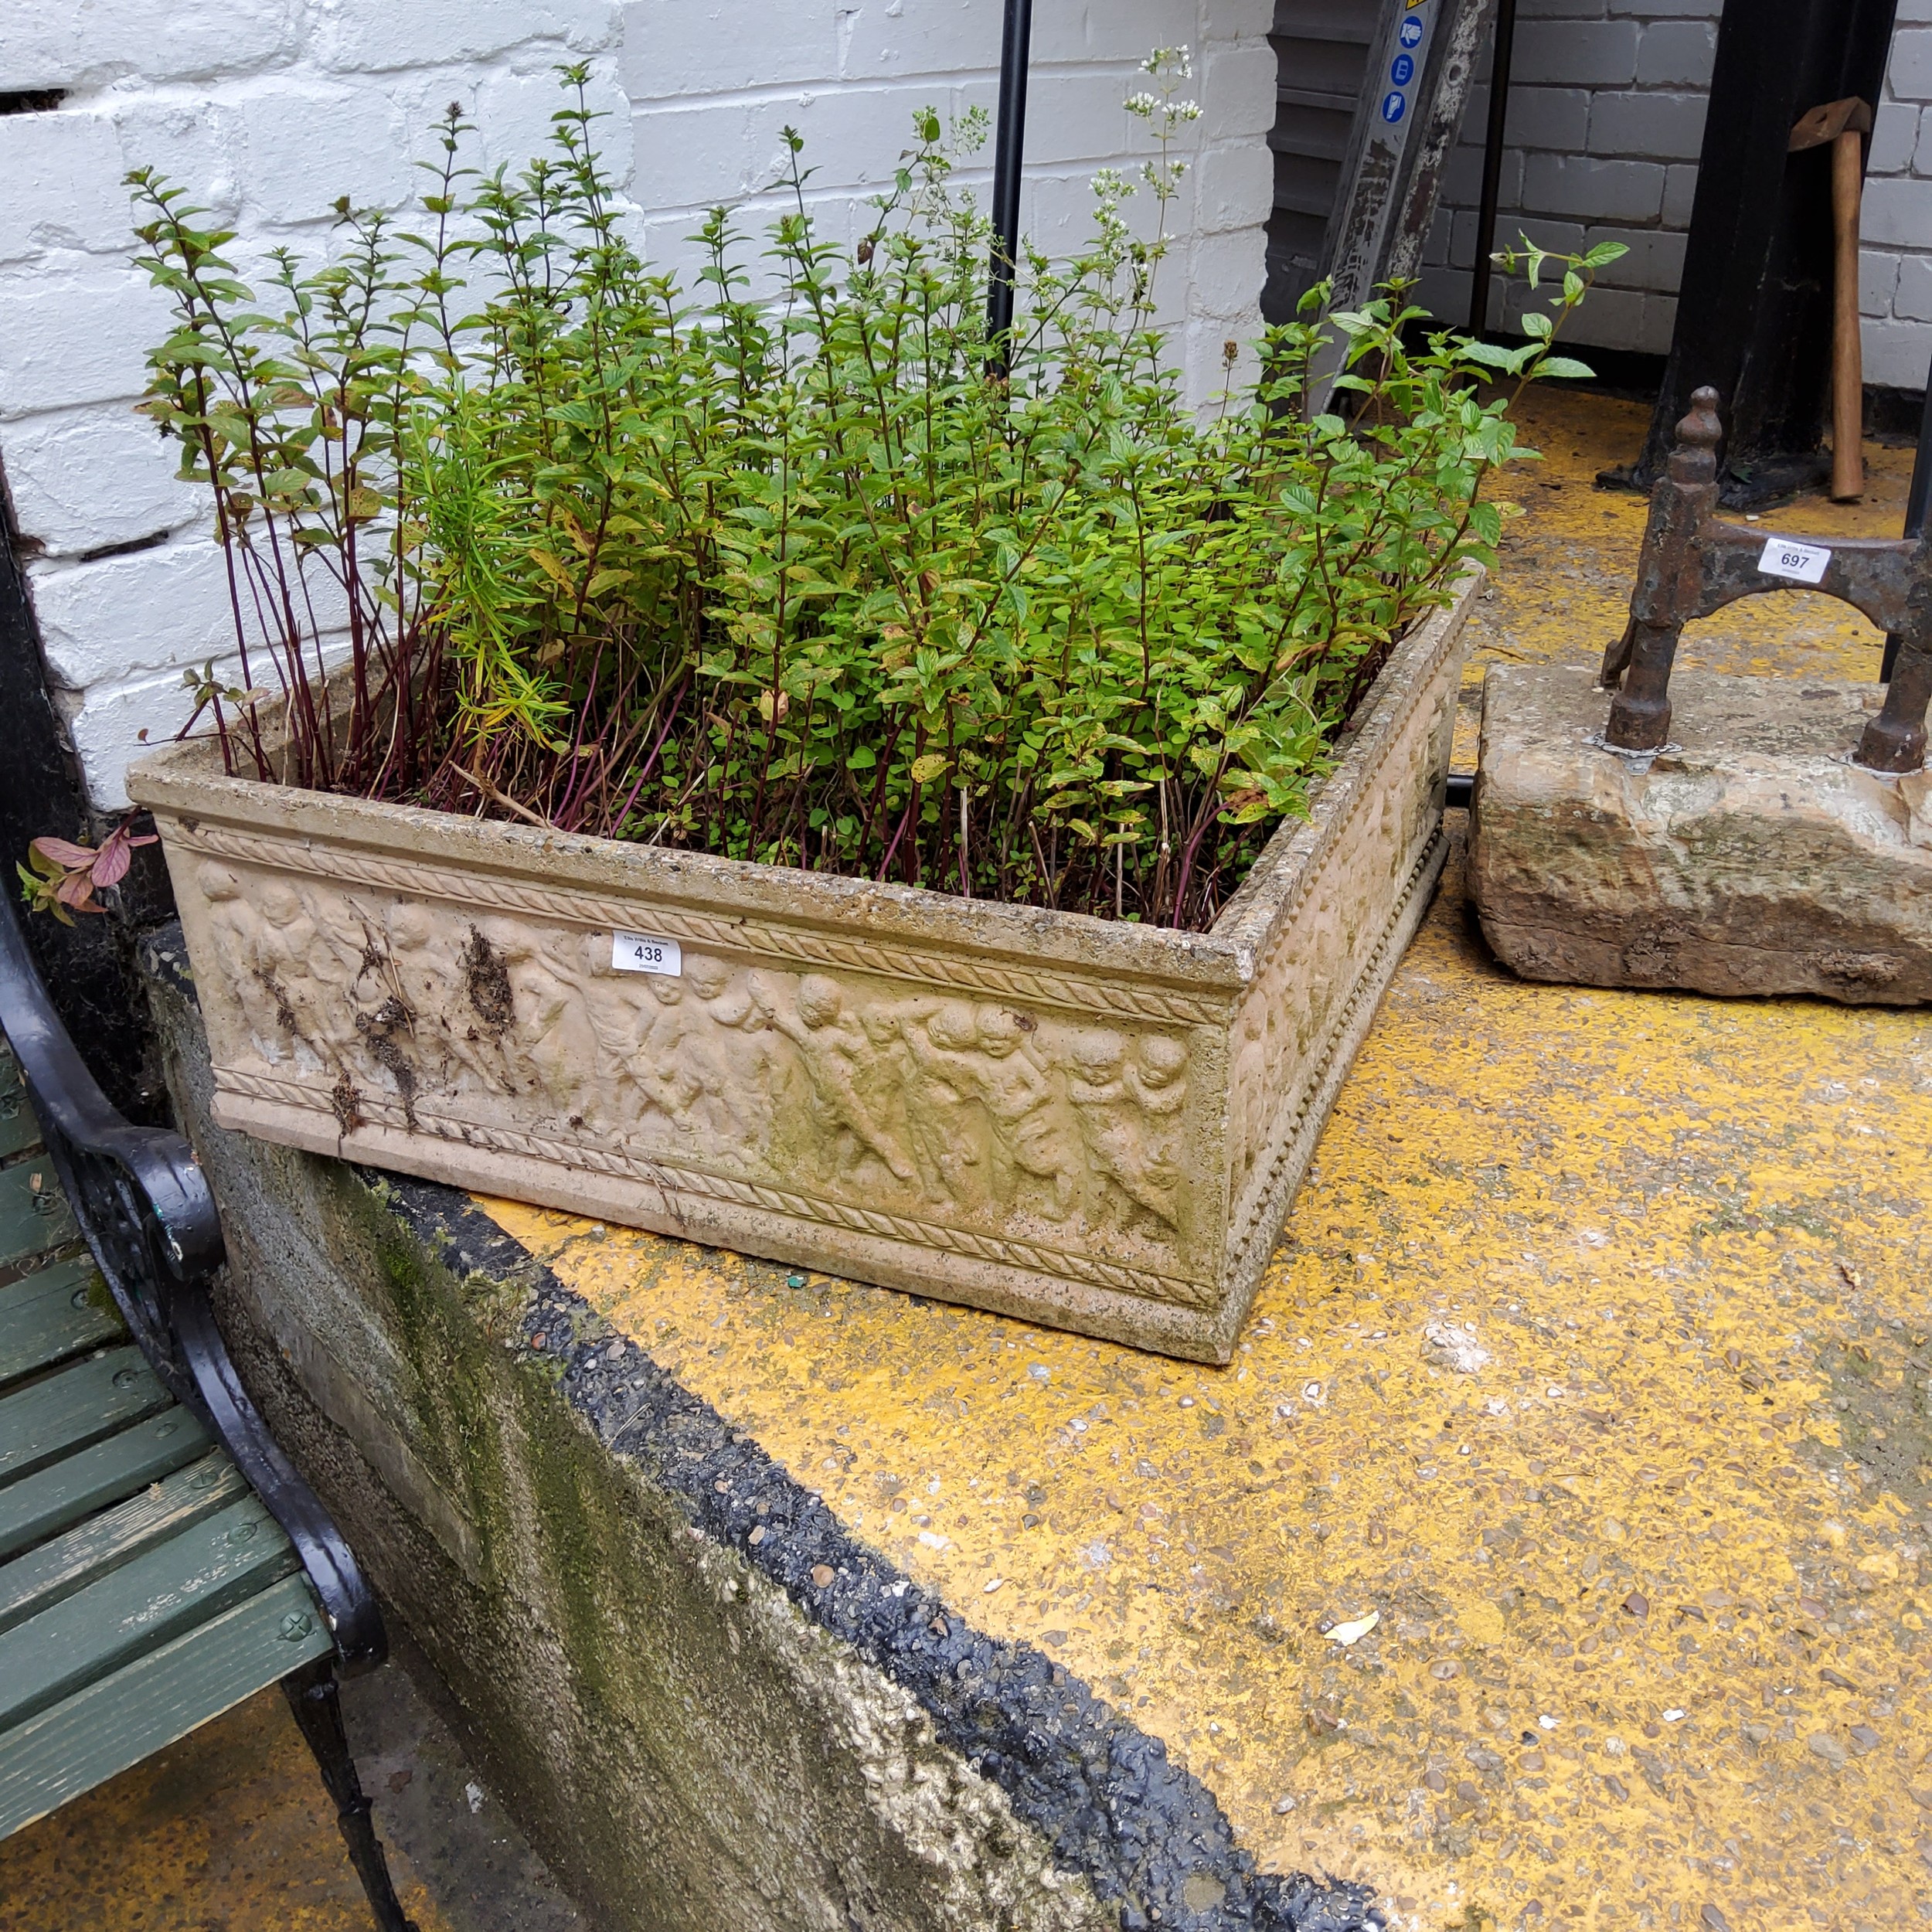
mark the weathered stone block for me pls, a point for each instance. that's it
(1749, 855)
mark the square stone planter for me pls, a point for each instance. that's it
(1092, 1125)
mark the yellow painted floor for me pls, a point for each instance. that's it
(227, 1831)
(230, 1831)
(1651, 1580)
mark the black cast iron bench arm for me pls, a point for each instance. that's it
(144, 1207)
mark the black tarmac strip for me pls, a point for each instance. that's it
(1100, 1790)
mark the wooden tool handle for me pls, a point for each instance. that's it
(1847, 367)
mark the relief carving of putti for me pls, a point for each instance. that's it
(950, 1108)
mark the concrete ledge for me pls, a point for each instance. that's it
(706, 1703)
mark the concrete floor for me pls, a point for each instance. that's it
(1651, 1584)
(230, 1831)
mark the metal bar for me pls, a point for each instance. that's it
(1754, 302)
(1492, 146)
(1915, 501)
(314, 1699)
(1009, 143)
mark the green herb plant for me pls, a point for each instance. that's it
(515, 525)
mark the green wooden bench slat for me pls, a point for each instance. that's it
(192, 1576)
(118, 1720)
(18, 1128)
(67, 1563)
(33, 1220)
(44, 1504)
(74, 1406)
(61, 1310)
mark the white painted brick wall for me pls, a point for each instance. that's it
(1605, 117)
(268, 109)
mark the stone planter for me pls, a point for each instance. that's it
(1095, 1126)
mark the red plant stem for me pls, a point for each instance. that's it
(616, 823)
(905, 819)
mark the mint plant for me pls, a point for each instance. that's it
(515, 523)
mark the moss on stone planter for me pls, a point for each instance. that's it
(708, 1705)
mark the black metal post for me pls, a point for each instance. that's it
(1492, 165)
(1754, 305)
(1009, 143)
(1915, 502)
(313, 1698)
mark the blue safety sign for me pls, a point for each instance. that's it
(1402, 69)
(1394, 105)
(1409, 33)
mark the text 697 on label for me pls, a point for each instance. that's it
(1802, 562)
(644, 953)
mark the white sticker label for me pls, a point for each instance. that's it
(640, 953)
(1802, 562)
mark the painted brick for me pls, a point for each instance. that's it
(511, 108)
(1896, 353)
(1909, 73)
(1912, 297)
(1677, 54)
(1126, 30)
(1225, 274)
(1894, 212)
(1894, 133)
(1659, 324)
(104, 726)
(301, 147)
(146, 612)
(69, 338)
(1543, 116)
(1655, 262)
(355, 37)
(1233, 185)
(1611, 316)
(84, 479)
(1628, 190)
(1444, 293)
(1658, 126)
(675, 48)
(1575, 53)
(1680, 190)
(1561, 237)
(1878, 282)
(1236, 94)
(193, 141)
(63, 174)
(73, 44)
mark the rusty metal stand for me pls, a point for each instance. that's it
(1693, 563)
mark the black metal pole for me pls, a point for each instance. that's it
(1009, 143)
(1491, 164)
(1915, 502)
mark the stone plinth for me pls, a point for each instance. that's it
(1749, 856)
